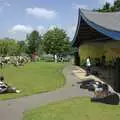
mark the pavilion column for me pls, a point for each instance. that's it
(77, 57)
(117, 76)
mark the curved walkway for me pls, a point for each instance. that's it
(14, 109)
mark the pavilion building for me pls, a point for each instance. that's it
(97, 34)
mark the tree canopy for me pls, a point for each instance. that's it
(33, 40)
(56, 41)
(9, 47)
(107, 7)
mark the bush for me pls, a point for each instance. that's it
(47, 58)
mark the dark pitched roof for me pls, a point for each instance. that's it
(105, 23)
(110, 21)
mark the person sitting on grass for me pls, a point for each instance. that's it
(101, 90)
(3, 85)
(103, 95)
(5, 88)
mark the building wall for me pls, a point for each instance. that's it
(109, 49)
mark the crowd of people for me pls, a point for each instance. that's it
(14, 60)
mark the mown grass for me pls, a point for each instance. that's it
(33, 78)
(74, 109)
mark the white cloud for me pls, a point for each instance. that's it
(26, 29)
(77, 6)
(19, 31)
(21, 28)
(41, 12)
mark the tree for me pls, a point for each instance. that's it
(116, 6)
(56, 41)
(8, 47)
(33, 40)
(22, 47)
(108, 8)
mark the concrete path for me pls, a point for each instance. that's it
(14, 109)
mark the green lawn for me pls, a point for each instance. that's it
(74, 109)
(33, 78)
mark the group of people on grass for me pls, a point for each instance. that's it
(101, 90)
(5, 88)
(14, 60)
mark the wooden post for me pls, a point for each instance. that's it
(77, 57)
(117, 76)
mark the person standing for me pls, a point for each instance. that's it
(56, 58)
(88, 66)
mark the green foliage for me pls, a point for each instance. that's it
(22, 47)
(117, 5)
(12, 47)
(56, 42)
(108, 8)
(33, 40)
(8, 47)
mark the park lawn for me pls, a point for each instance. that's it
(33, 78)
(74, 109)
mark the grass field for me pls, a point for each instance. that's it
(74, 109)
(33, 78)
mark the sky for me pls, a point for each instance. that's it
(20, 17)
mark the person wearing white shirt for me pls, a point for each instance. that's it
(88, 65)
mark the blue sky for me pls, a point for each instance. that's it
(19, 17)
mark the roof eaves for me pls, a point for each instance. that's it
(77, 29)
(108, 32)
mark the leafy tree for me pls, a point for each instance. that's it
(8, 47)
(56, 41)
(116, 6)
(22, 47)
(33, 40)
(108, 8)
(105, 8)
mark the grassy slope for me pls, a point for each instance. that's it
(74, 109)
(33, 78)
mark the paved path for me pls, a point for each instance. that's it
(13, 109)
